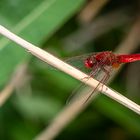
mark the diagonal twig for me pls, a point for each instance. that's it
(16, 79)
(91, 10)
(55, 62)
(71, 111)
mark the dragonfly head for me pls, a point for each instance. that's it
(89, 63)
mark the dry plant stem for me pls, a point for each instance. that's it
(132, 40)
(91, 10)
(64, 118)
(14, 82)
(50, 59)
(70, 112)
(57, 63)
(126, 46)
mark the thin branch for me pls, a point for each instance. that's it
(59, 64)
(91, 10)
(127, 46)
(71, 111)
(55, 62)
(14, 82)
(65, 117)
(132, 40)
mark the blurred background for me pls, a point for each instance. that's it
(33, 93)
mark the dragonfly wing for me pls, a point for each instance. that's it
(86, 92)
(78, 62)
(81, 91)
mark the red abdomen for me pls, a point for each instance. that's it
(128, 58)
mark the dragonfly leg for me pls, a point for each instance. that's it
(107, 72)
(107, 75)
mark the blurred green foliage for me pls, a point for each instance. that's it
(26, 113)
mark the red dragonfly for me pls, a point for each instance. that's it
(108, 59)
(105, 62)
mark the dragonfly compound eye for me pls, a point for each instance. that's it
(88, 63)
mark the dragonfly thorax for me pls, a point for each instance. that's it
(101, 59)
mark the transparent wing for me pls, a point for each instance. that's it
(86, 92)
(78, 62)
(100, 72)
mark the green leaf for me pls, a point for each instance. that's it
(39, 24)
